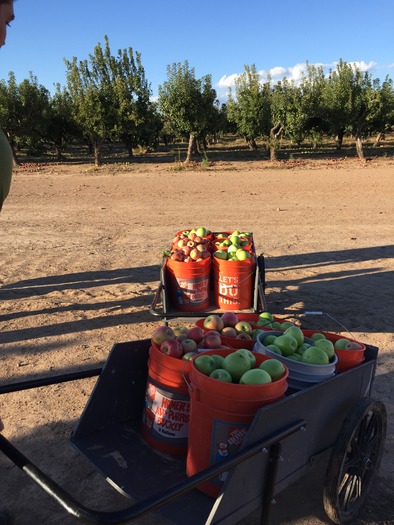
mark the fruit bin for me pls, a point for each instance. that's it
(283, 440)
(163, 306)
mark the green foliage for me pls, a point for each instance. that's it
(111, 97)
(251, 108)
(187, 104)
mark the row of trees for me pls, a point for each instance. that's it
(346, 102)
(108, 99)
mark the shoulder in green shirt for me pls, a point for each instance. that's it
(5, 167)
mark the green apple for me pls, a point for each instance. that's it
(269, 339)
(315, 356)
(266, 315)
(220, 254)
(327, 346)
(205, 364)
(242, 254)
(237, 364)
(243, 326)
(234, 239)
(295, 357)
(353, 346)
(295, 332)
(188, 356)
(274, 367)
(301, 349)
(317, 335)
(202, 232)
(261, 321)
(287, 344)
(256, 376)
(276, 325)
(341, 344)
(286, 324)
(221, 375)
(218, 360)
(275, 349)
(250, 355)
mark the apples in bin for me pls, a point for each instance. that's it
(240, 365)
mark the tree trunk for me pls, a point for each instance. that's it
(339, 140)
(191, 149)
(275, 132)
(359, 147)
(251, 143)
(379, 137)
(97, 153)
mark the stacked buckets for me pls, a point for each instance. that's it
(189, 413)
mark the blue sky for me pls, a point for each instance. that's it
(215, 38)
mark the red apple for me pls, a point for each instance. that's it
(162, 333)
(172, 347)
(212, 339)
(195, 333)
(229, 319)
(213, 322)
(229, 331)
(244, 336)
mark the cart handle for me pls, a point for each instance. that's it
(156, 300)
(86, 515)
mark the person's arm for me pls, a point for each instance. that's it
(5, 168)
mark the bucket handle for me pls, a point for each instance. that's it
(189, 386)
(332, 318)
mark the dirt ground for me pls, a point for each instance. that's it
(80, 261)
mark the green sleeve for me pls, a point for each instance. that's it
(5, 167)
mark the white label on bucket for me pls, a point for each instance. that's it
(192, 291)
(228, 289)
(170, 416)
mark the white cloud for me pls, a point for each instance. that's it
(278, 71)
(362, 66)
(228, 81)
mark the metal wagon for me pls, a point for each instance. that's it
(336, 416)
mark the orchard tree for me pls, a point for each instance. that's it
(10, 111)
(354, 102)
(61, 128)
(110, 97)
(136, 116)
(186, 103)
(250, 109)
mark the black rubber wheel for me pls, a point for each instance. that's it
(354, 460)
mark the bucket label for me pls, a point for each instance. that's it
(166, 413)
(229, 289)
(193, 291)
(226, 439)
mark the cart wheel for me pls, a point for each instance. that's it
(354, 460)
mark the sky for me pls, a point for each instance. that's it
(216, 38)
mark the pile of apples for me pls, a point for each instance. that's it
(291, 344)
(229, 325)
(240, 367)
(267, 320)
(190, 246)
(232, 247)
(182, 342)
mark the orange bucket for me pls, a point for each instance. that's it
(347, 359)
(220, 416)
(165, 424)
(233, 283)
(189, 284)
